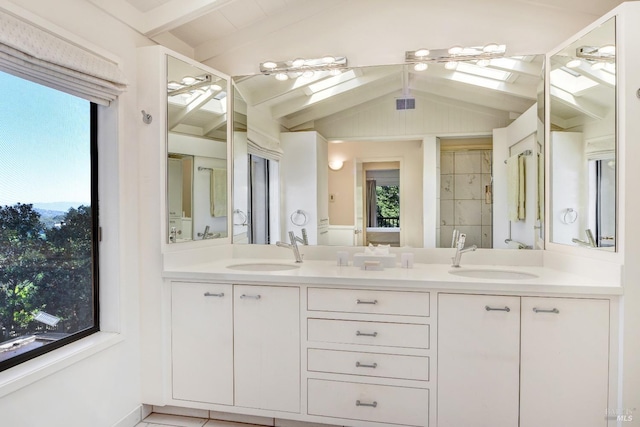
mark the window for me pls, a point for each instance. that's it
(48, 219)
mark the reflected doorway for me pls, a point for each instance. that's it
(381, 202)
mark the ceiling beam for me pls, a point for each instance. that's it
(263, 29)
(191, 108)
(172, 14)
(215, 124)
(580, 105)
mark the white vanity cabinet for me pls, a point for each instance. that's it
(368, 356)
(267, 347)
(564, 362)
(478, 360)
(202, 342)
(236, 345)
(544, 361)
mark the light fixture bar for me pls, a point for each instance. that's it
(203, 80)
(299, 66)
(455, 54)
(601, 54)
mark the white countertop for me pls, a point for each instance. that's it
(421, 276)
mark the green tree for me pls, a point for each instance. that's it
(388, 201)
(67, 285)
(22, 252)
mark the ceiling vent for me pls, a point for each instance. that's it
(405, 103)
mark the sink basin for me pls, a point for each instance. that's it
(263, 266)
(493, 274)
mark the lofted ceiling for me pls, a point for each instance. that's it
(234, 36)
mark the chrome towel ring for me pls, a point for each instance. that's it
(299, 218)
(570, 216)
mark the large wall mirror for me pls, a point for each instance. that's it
(197, 153)
(582, 93)
(391, 155)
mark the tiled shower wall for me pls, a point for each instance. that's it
(464, 202)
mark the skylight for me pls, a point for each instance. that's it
(487, 72)
(571, 81)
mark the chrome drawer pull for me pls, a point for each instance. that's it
(371, 405)
(209, 294)
(507, 309)
(362, 334)
(540, 310)
(250, 296)
(359, 301)
(362, 365)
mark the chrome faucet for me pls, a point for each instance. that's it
(294, 244)
(460, 249)
(590, 243)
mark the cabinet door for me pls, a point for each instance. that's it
(565, 347)
(202, 342)
(478, 360)
(267, 347)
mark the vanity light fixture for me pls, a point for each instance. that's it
(606, 53)
(283, 70)
(450, 57)
(191, 84)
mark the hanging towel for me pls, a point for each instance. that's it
(521, 188)
(218, 192)
(540, 187)
(515, 188)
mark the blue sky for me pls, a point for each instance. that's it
(44, 144)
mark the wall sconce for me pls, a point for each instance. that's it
(336, 165)
(189, 84)
(450, 57)
(283, 70)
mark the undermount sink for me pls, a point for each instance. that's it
(263, 266)
(493, 274)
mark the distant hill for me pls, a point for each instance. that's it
(52, 213)
(57, 206)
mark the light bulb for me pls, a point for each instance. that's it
(420, 53)
(328, 59)
(491, 48)
(298, 62)
(574, 63)
(282, 76)
(173, 85)
(308, 74)
(483, 62)
(597, 66)
(607, 50)
(215, 88)
(451, 65)
(455, 50)
(188, 80)
(269, 65)
(421, 66)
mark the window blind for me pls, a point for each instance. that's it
(37, 55)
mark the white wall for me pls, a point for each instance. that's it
(102, 389)
(433, 115)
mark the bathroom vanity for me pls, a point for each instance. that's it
(417, 347)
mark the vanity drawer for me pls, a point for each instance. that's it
(369, 333)
(368, 364)
(368, 402)
(368, 301)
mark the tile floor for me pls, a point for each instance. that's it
(169, 420)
